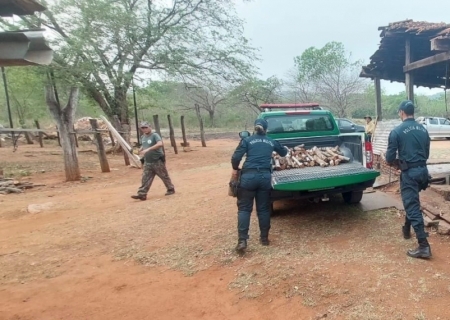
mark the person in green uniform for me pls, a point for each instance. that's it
(154, 162)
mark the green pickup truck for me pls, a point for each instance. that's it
(310, 125)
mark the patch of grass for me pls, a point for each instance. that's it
(12, 170)
(420, 316)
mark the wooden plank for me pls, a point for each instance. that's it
(409, 79)
(437, 58)
(378, 99)
(440, 44)
(23, 130)
(104, 165)
(125, 146)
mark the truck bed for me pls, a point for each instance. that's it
(317, 178)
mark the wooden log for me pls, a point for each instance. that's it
(112, 139)
(318, 153)
(430, 214)
(183, 132)
(320, 161)
(299, 164)
(41, 141)
(13, 190)
(125, 146)
(172, 135)
(200, 121)
(104, 165)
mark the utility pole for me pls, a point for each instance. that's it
(8, 105)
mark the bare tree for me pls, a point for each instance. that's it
(64, 118)
(104, 44)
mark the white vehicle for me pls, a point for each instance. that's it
(437, 127)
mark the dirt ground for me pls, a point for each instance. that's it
(95, 253)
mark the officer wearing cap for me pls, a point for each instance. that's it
(412, 142)
(154, 162)
(255, 181)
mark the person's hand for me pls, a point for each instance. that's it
(234, 173)
(142, 153)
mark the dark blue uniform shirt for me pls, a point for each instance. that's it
(412, 141)
(259, 150)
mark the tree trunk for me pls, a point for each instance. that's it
(211, 117)
(64, 118)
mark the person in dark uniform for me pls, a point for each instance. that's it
(255, 181)
(412, 142)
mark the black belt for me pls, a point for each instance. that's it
(255, 170)
(416, 164)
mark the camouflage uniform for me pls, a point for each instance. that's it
(152, 169)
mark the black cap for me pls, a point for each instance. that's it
(262, 123)
(407, 106)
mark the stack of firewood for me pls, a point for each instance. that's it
(299, 157)
(8, 185)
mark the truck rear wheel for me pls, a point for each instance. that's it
(352, 197)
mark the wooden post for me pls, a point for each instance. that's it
(41, 142)
(409, 79)
(183, 131)
(378, 99)
(156, 124)
(112, 139)
(200, 121)
(100, 147)
(57, 135)
(75, 136)
(172, 135)
(28, 136)
(119, 126)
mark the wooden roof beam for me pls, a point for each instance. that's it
(440, 57)
(440, 44)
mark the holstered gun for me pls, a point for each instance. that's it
(234, 184)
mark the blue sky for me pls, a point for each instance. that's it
(283, 29)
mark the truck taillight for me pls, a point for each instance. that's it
(369, 155)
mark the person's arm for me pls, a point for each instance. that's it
(237, 156)
(278, 148)
(427, 148)
(391, 152)
(157, 145)
(371, 128)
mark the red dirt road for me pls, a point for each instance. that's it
(98, 254)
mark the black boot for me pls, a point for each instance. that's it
(142, 197)
(264, 241)
(422, 251)
(406, 231)
(241, 246)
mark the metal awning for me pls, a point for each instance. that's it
(24, 47)
(19, 7)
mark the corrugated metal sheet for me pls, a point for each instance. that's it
(381, 135)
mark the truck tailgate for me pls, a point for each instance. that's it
(318, 178)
